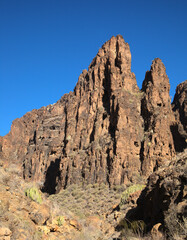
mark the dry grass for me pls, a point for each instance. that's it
(177, 227)
(89, 200)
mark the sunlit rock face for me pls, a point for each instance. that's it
(158, 118)
(105, 131)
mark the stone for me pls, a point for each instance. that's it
(106, 131)
(155, 231)
(179, 105)
(40, 214)
(158, 144)
(44, 229)
(4, 231)
(164, 198)
(5, 238)
(74, 223)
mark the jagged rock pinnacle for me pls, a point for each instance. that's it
(158, 117)
(111, 66)
(106, 131)
(156, 83)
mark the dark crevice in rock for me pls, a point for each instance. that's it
(83, 174)
(109, 164)
(113, 123)
(52, 177)
(90, 99)
(66, 177)
(156, 166)
(145, 115)
(179, 141)
(65, 130)
(27, 168)
(33, 140)
(92, 135)
(24, 167)
(93, 78)
(77, 116)
(118, 58)
(107, 89)
(142, 155)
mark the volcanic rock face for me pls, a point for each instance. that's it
(106, 131)
(179, 129)
(158, 117)
(164, 195)
(180, 103)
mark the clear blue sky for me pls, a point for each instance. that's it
(45, 45)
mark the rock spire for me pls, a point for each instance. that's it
(105, 131)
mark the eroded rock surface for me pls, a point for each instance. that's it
(158, 117)
(164, 199)
(179, 129)
(106, 131)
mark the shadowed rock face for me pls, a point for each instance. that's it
(180, 103)
(165, 193)
(106, 131)
(179, 129)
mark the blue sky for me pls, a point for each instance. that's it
(45, 45)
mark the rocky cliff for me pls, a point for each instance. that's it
(164, 200)
(106, 131)
(179, 128)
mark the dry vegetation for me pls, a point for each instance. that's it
(79, 212)
(87, 201)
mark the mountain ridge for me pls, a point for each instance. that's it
(106, 130)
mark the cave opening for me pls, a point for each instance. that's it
(52, 177)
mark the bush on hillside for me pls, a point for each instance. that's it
(34, 194)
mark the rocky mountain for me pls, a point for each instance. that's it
(106, 131)
(91, 154)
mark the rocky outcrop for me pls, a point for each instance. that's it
(179, 128)
(22, 216)
(105, 131)
(158, 117)
(164, 199)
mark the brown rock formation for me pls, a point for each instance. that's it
(164, 198)
(102, 132)
(158, 117)
(179, 129)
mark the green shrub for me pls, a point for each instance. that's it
(60, 220)
(128, 228)
(130, 190)
(34, 194)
